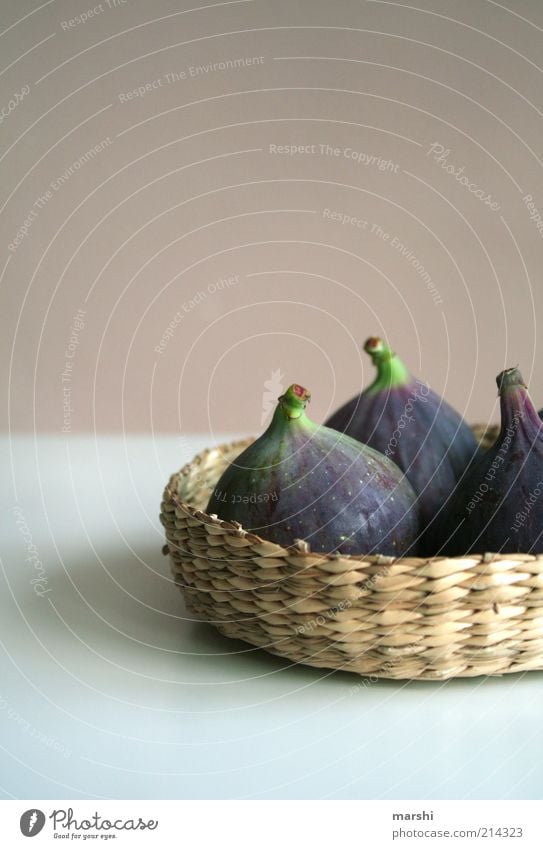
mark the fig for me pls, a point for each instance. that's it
(403, 418)
(497, 507)
(303, 481)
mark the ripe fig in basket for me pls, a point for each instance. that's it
(403, 418)
(498, 507)
(303, 481)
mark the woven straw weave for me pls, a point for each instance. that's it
(372, 615)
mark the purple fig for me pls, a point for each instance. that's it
(403, 418)
(303, 481)
(497, 507)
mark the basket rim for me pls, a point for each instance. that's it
(301, 548)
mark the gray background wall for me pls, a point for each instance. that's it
(113, 313)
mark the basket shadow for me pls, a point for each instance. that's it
(131, 593)
(259, 660)
(213, 641)
(122, 592)
(115, 585)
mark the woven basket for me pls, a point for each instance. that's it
(372, 615)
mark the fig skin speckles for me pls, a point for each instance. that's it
(403, 418)
(303, 481)
(499, 505)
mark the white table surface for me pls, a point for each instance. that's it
(109, 689)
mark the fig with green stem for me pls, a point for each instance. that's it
(403, 418)
(303, 481)
(498, 506)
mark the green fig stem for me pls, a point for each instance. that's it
(391, 371)
(293, 403)
(515, 400)
(511, 378)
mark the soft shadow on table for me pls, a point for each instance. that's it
(122, 587)
(125, 587)
(354, 685)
